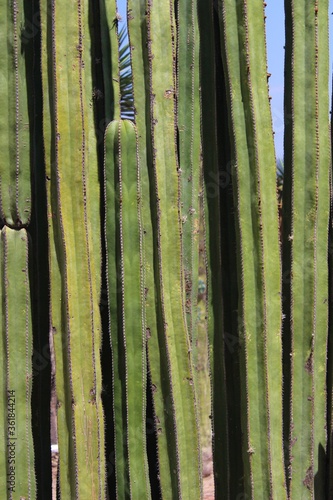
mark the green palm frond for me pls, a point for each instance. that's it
(125, 70)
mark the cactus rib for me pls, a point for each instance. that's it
(126, 297)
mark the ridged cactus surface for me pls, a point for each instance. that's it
(15, 196)
(306, 203)
(17, 457)
(75, 247)
(260, 316)
(120, 209)
(127, 317)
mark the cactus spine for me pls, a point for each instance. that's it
(306, 202)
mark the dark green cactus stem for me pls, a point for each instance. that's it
(188, 117)
(127, 316)
(243, 35)
(15, 196)
(167, 459)
(17, 457)
(73, 205)
(169, 275)
(215, 325)
(305, 239)
(110, 50)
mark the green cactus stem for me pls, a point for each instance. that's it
(127, 317)
(110, 49)
(17, 457)
(188, 117)
(305, 239)
(167, 459)
(169, 275)
(74, 231)
(15, 196)
(243, 48)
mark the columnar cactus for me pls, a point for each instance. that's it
(75, 247)
(242, 30)
(126, 295)
(17, 459)
(15, 196)
(305, 239)
(129, 218)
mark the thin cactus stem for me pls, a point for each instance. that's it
(169, 273)
(75, 257)
(158, 371)
(306, 195)
(15, 195)
(110, 58)
(243, 47)
(188, 116)
(127, 315)
(17, 465)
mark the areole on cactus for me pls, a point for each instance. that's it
(90, 201)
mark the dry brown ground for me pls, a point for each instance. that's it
(208, 487)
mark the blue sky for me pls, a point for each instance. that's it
(275, 52)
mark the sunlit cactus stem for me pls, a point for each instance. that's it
(305, 244)
(243, 47)
(15, 141)
(73, 191)
(17, 457)
(126, 294)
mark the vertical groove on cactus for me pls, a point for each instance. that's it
(70, 158)
(224, 183)
(127, 317)
(16, 345)
(242, 25)
(15, 196)
(307, 175)
(213, 241)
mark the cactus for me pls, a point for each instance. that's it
(17, 460)
(200, 152)
(15, 196)
(127, 318)
(305, 221)
(75, 248)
